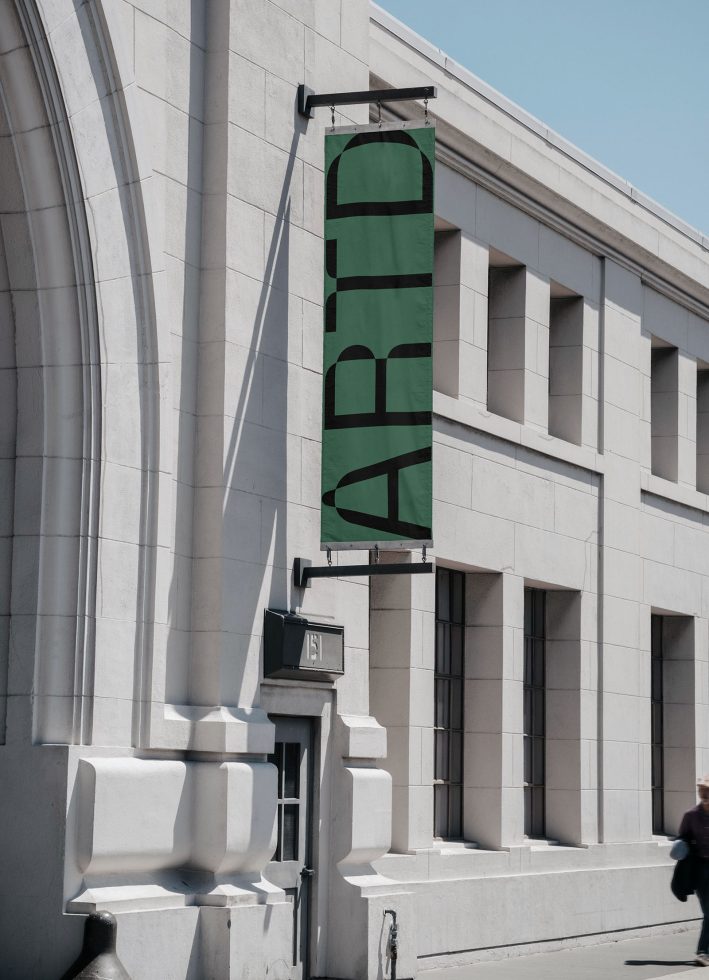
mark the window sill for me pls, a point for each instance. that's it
(453, 846)
(474, 417)
(676, 492)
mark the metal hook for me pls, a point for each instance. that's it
(332, 115)
(329, 556)
(376, 554)
(379, 110)
(425, 112)
(423, 554)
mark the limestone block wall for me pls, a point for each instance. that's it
(516, 510)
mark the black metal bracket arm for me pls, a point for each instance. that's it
(308, 100)
(303, 570)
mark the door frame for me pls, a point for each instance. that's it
(315, 702)
(298, 729)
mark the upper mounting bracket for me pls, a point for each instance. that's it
(308, 100)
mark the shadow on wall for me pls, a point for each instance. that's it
(256, 461)
(254, 373)
(180, 594)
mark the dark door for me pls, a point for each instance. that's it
(291, 866)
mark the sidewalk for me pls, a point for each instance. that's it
(649, 958)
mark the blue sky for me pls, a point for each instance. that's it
(627, 81)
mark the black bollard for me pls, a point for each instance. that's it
(98, 959)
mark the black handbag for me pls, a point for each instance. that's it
(683, 878)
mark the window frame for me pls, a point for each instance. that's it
(534, 719)
(449, 705)
(657, 725)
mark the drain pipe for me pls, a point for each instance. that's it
(393, 941)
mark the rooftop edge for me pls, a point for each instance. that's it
(398, 29)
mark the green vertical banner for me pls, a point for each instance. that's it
(378, 332)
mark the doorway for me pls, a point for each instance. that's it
(291, 867)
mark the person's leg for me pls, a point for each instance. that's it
(703, 896)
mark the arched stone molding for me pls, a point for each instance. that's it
(88, 343)
(93, 69)
(50, 285)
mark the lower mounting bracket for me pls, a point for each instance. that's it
(304, 570)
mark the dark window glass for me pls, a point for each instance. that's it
(291, 770)
(534, 712)
(442, 702)
(456, 665)
(286, 758)
(441, 631)
(657, 776)
(442, 595)
(656, 726)
(538, 664)
(456, 702)
(290, 832)
(538, 760)
(441, 755)
(538, 719)
(455, 757)
(440, 810)
(449, 693)
(443, 654)
(455, 810)
(456, 611)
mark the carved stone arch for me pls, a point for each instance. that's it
(58, 433)
(73, 224)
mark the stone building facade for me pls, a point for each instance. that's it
(508, 751)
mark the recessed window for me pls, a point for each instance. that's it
(565, 364)
(673, 692)
(534, 712)
(287, 759)
(703, 426)
(446, 309)
(448, 720)
(664, 405)
(506, 337)
(657, 775)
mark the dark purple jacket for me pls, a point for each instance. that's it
(695, 830)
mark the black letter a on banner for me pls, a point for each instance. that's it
(391, 469)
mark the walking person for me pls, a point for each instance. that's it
(694, 830)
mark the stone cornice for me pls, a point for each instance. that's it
(513, 153)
